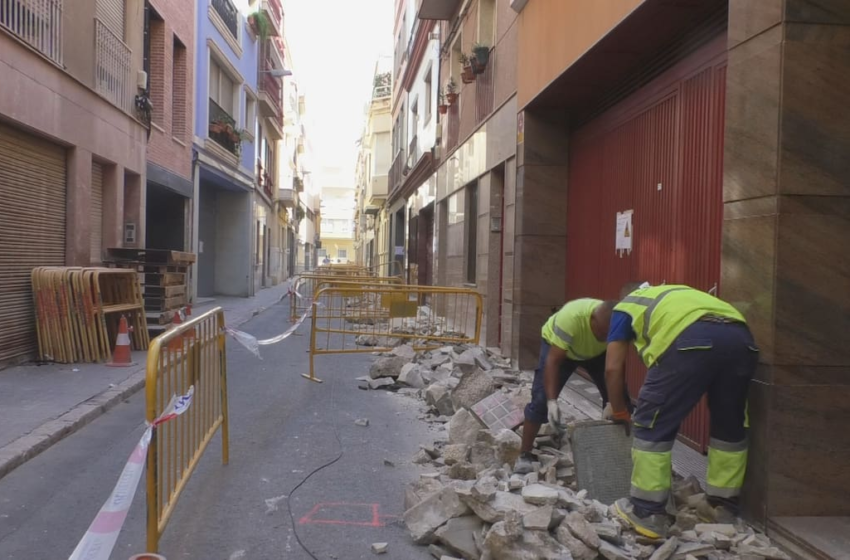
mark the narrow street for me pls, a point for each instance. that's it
(282, 428)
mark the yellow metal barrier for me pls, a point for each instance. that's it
(370, 318)
(190, 354)
(343, 270)
(305, 288)
(387, 268)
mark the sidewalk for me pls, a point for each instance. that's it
(40, 405)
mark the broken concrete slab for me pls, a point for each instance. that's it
(539, 519)
(405, 351)
(411, 376)
(464, 428)
(540, 495)
(483, 456)
(439, 396)
(421, 457)
(582, 530)
(389, 366)
(531, 545)
(463, 471)
(578, 549)
(375, 384)
(423, 519)
(465, 361)
(494, 510)
(457, 536)
(498, 411)
(455, 453)
(608, 532)
(722, 528)
(474, 386)
(697, 549)
(613, 552)
(508, 445)
(485, 488)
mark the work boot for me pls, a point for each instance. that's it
(652, 525)
(525, 463)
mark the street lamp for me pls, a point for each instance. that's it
(276, 73)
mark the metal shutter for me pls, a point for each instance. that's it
(32, 230)
(96, 213)
(111, 13)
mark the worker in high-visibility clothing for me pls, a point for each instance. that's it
(693, 344)
(573, 337)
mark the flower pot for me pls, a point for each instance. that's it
(451, 98)
(467, 76)
(216, 128)
(443, 109)
(478, 67)
(482, 57)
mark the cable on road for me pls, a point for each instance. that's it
(310, 475)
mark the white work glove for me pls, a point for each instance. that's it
(554, 414)
(608, 412)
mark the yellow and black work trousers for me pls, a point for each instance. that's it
(713, 357)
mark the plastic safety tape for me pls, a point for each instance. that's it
(252, 343)
(99, 540)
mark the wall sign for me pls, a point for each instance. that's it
(625, 233)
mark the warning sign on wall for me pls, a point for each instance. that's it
(625, 232)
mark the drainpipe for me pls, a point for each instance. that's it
(196, 203)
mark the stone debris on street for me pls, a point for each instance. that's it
(472, 506)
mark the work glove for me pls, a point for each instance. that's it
(607, 412)
(624, 418)
(554, 412)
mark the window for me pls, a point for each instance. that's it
(322, 253)
(342, 254)
(456, 66)
(178, 91)
(222, 89)
(487, 22)
(156, 66)
(250, 113)
(471, 232)
(414, 118)
(429, 92)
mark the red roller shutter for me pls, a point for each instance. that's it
(658, 152)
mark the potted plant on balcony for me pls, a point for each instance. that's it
(467, 76)
(259, 24)
(442, 105)
(480, 57)
(451, 91)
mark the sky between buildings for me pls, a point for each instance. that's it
(335, 44)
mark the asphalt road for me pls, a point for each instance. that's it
(282, 427)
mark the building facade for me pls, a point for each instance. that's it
(714, 138)
(226, 142)
(73, 145)
(337, 216)
(169, 54)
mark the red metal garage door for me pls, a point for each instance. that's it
(659, 153)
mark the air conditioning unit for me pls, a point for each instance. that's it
(518, 5)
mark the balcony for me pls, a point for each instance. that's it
(298, 184)
(271, 101)
(229, 15)
(485, 91)
(274, 13)
(112, 67)
(37, 23)
(438, 9)
(413, 154)
(453, 126)
(222, 129)
(287, 197)
(397, 171)
(265, 180)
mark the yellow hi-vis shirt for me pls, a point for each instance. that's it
(569, 330)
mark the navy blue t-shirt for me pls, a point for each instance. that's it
(621, 327)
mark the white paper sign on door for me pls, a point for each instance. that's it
(625, 232)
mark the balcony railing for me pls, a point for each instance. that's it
(229, 15)
(287, 197)
(37, 23)
(485, 91)
(112, 67)
(453, 125)
(382, 91)
(275, 12)
(272, 88)
(397, 171)
(222, 129)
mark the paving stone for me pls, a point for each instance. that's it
(540, 495)
(423, 519)
(608, 532)
(473, 387)
(457, 536)
(439, 396)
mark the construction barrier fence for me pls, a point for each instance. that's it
(368, 318)
(190, 355)
(304, 288)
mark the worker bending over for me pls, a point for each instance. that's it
(693, 344)
(573, 337)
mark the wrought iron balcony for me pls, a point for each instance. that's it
(229, 15)
(270, 92)
(223, 130)
(274, 12)
(485, 91)
(37, 23)
(397, 171)
(112, 67)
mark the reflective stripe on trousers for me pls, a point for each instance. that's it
(727, 464)
(652, 470)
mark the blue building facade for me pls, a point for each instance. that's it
(225, 142)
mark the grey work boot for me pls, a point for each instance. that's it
(524, 464)
(654, 525)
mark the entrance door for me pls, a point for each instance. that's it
(206, 242)
(425, 245)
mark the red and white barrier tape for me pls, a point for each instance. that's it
(250, 342)
(99, 540)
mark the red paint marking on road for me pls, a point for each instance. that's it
(310, 519)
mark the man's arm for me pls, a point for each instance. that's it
(615, 374)
(551, 371)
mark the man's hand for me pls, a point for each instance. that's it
(623, 417)
(607, 412)
(554, 414)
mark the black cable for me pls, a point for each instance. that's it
(314, 471)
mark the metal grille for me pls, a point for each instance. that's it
(37, 22)
(602, 455)
(485, 90)
(96, 212)
(112, 67)
(229, 15)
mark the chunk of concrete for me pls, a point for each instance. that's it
(464, 428)
(697, 549)
(540, 495)
(531, 545)
(455, 453)
(608, 532)
(578, 549)
(768, 553)
(494, 510)
(612, 552)
(389, 366)
(473, 387)
(483, 456)
(375, 384)
(485, 488)
(411, 376)
(420, 489)
(423, 519)
(457, 536)
(463, 471)
(582, 530)
(439, 396)
(465, 362)
(405, 351)
(722, 528)
(539, 519)
(508, 445)
(666, 550)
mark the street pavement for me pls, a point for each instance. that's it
(282, 427)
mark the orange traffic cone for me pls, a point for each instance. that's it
(121, 356)
(176, 343)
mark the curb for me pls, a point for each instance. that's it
(21, 450)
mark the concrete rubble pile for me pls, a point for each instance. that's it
(472, 506)
(404, 330)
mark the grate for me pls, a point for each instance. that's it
(603, 462)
